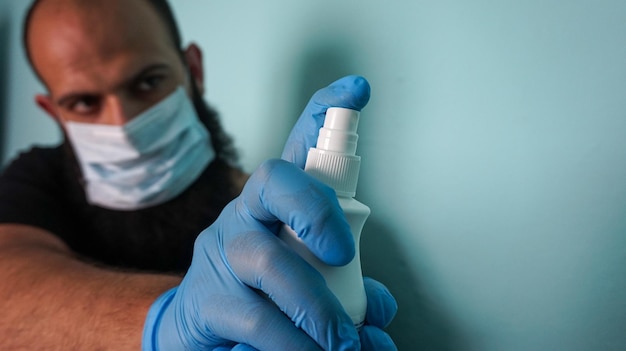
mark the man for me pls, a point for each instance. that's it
(99, 244)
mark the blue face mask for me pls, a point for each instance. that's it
(145, 162)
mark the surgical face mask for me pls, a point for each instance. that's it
(145, 162)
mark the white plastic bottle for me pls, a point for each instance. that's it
(334, 162)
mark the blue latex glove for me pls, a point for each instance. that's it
(381, 308)
(217, 305)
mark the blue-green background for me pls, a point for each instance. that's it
(494, 149)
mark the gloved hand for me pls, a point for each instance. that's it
(244, 287)
(381, 308)
(216, 303)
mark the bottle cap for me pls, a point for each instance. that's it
(333, 160)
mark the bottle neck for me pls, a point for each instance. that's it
(339, 171)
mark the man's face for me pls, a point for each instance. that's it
(103, 61)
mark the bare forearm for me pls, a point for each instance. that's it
(52, 301)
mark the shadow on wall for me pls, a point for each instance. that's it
(419, 324)
(319, 66)
(4, 71)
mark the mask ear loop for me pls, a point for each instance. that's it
(188, 83)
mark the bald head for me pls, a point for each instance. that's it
(96, 18)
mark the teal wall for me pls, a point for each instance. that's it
(494, 150)
(21, 122)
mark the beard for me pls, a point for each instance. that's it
(159, 238)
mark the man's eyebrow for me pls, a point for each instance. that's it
(143, 72)
(73, 95)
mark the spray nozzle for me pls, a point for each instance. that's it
(339, 131)
(333, 160)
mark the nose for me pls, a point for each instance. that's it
(120, 109)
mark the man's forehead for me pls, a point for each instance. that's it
(79, 35)
(94, 12)
(101, 20)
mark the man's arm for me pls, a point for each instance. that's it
(50, 300)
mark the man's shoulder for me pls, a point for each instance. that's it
(36, 159)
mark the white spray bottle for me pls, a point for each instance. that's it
(334, 162)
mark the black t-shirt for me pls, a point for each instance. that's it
(42, 187)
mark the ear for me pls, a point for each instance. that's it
(193, 56)
(46, 104)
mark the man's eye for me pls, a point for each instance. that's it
(149, 83)
(85, 105)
